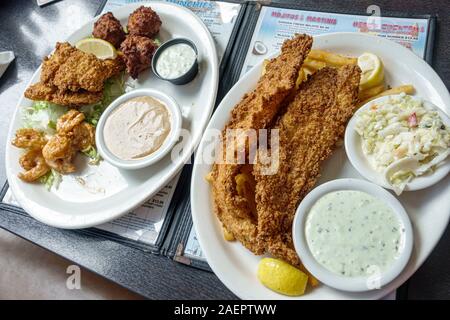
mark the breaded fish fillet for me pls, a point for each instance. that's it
(72, 77)
(255, 111)
(39, 91)
(52, 63)
(308, 129)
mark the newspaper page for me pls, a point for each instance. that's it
(219, 17)
(274, 25)
(144, 223)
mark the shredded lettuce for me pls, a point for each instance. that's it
(157, 42)
(114, 88)
(42, 116)
(52, 179)
(92, 113)
(92, 154)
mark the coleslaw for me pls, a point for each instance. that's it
(403, 137)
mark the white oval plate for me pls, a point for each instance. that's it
(107, 192)
(353, 148)
(428, 209)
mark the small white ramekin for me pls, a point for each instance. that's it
(172, 138)
(354, 284)
(353, 148)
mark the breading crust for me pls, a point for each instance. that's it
(71, 77)
(255, 111)
(309, 129)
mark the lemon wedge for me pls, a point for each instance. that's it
(372, 71)
(281, 277)
(100, 48)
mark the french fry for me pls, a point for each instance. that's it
(307, 71)
(331, 58)
(301, 77)
(371, 92)
(314, 64)
(227, 235)
(209, 177)
(313, 282)
(407, 88)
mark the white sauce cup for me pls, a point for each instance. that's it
(166, 147)
(189, 75)
(337, 281)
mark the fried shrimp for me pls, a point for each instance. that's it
(58, 153)
(69, 121)
(29, 139)
(34, 164)
(83, 136)
(73, 134)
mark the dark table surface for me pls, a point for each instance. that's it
(31, 33)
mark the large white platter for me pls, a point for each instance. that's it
(108, 192)
(429, 209)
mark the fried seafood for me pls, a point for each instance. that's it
(83, 136)
(68, 121)
(144, 22)
(34, 164)
(309, 130)
(73, 134)
(72, 77)
(108, 28)
(72, 124)
(81, 70)
(32, 160)
(29, 139)
(59, 153)
(42, 92)
(256, 111)
(138, 52)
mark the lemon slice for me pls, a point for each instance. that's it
(372, 70)
(100, 48)
(281, 277)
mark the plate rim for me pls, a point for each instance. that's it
(407, 272)
(33, 208)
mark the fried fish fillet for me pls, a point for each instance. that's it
(308, 131)
(255, 111)
(72, 77)
(40, 91)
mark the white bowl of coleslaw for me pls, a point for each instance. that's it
(399, 142)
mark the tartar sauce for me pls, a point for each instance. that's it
(137, 128)
(175, 61)
(353, 234)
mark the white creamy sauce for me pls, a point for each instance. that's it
(175, 61)
(353, 234)
(137, 128)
